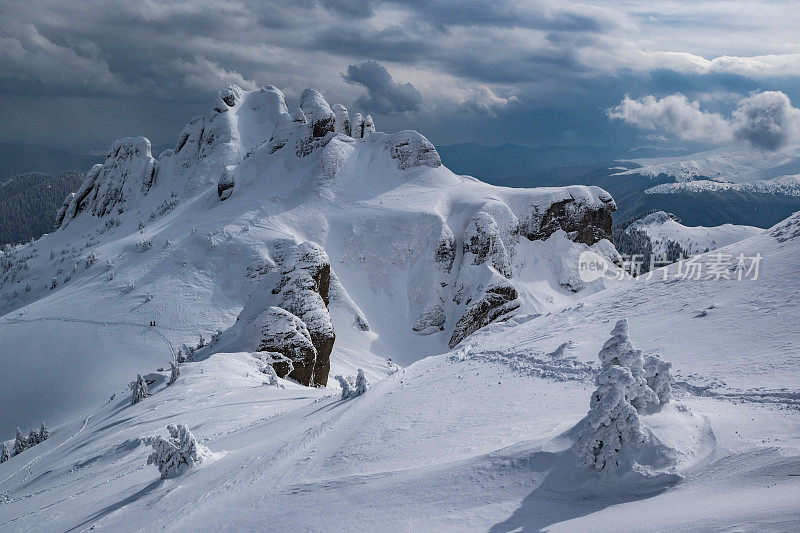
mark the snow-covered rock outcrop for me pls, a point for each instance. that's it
(262, 217)
(109, 189)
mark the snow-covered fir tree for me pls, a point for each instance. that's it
(43, 433)
(613, 419)
(139, 388)
(658, 374)
(178, 453)
(348, 385)
(20, 443)
(362, 385)
(352, 387)
(174, 372)
(33, 438)
(5, 455)
(619, 351)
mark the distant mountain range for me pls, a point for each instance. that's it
(18, 159)
(641, 183)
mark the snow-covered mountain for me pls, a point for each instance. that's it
(736, 164)
(307, 245)
(784, 185)
(663, 228)
(477, 439)
(308, 235)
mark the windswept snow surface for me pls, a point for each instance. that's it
(470, 440)
(662, 228)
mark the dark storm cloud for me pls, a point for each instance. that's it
(383, 93)
(766, 120)
(500, 59)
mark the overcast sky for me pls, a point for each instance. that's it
(629, 73)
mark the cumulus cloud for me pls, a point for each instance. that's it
(383, 93)
(765, 120)
(673, 114)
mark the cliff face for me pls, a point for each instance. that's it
(340, 227)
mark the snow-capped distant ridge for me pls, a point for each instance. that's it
(664, 228)
(784, 185)
(734, 164)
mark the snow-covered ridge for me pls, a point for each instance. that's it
(735, 164)
(408, 257)
(663, 228)
(785, 185)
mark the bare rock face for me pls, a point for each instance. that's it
(498, 300)
(225, 185)
(303, 291)
(284, 333)
(583, 221)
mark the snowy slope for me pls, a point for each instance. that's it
(786, 185)
(471, 440)
(736, 164)
(663, 228)
(208, 236)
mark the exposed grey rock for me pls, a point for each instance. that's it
(284, 333)
(225, 185)
(304, 290)
(498, 300)
(582, 221)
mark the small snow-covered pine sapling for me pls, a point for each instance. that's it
(180, 357)
(20, 443)
(362, 385)
(348, 385)
(622, 391)
(174, 372)
(33, 438)
(139, 388)
(177, 454)
(659, 378)
(43, 433)
(619, 351)
(5, 455)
